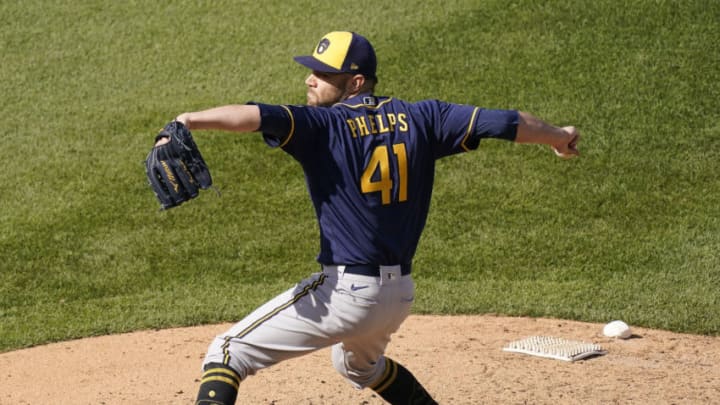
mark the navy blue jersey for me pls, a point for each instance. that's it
(369, 163)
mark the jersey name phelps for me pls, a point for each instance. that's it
(369, 164)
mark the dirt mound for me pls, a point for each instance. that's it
(459, 359)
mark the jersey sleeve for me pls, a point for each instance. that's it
(295, 129)
(460, 127)
(500, 124)
(276, 124)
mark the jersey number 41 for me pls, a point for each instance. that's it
(380, 162)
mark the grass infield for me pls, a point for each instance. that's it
(629, 231)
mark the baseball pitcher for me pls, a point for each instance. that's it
(369, 163)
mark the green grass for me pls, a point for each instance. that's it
(631, 230)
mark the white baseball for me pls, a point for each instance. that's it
(617, 329)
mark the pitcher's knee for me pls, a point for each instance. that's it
(239, 356)
(358, 372)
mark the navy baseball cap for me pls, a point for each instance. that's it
(342, 52)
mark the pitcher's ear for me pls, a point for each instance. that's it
(356, 83)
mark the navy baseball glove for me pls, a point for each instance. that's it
(176, 170)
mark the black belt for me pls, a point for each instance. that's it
(373, 270)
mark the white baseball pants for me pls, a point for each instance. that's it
(355, 314)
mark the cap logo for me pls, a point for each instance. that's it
(354, 66)
(323, 46)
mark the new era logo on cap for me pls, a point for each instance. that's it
(342, 52)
